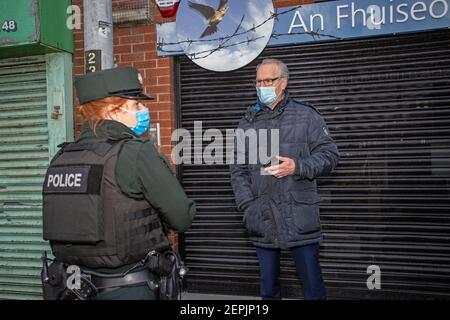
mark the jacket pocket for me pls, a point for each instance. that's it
(304, 209)
(253, 220)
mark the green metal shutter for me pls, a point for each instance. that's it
(24, 157)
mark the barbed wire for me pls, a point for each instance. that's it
(224, 40)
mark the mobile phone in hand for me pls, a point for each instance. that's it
(272, 161)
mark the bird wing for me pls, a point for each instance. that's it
(222, 4)
(210, 30)
(206, 11)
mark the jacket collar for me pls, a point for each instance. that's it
(258, 109)
(106, 129)
(282, 104)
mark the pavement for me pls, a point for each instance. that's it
(207, 296)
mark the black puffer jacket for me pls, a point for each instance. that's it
(284, 213)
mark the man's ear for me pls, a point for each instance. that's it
(284, 84)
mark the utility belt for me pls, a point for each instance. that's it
(162, 272)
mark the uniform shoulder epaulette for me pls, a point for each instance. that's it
(307, 104)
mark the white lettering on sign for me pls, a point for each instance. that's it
(362, 14)
(433, 10)
(403, 13)
(312, 22)
(340, 15)
(373, 16)
(64, 180)
(415, 10)
(301, 25)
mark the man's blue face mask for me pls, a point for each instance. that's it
(142, 121)
(266, 95)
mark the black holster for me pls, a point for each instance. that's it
(170, 270)
(54, 280)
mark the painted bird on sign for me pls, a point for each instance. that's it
(212, 16)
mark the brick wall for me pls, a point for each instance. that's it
(136, 46)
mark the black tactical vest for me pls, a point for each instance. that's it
(86, 217)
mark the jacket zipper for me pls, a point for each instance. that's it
(274, 222)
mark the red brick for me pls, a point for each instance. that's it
(132, 57)
(149, 55)
(127, 48)
(166, 132)
(143, 47)
(161, 107)
(164, 80)
(165, 115)
(150, 81)
(164, 97)
(78, 36)
(166, 123)
(122, 31)
(78, 61)
(146, 64)
(131, 39)
(166, 150)
(159, 89)
(151, 37)
(78, 70)
(144, 29)
(124, 64)
(163, 62)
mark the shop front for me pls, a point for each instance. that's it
(383, 86)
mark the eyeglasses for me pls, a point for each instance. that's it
(265, 82)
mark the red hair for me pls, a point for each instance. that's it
(96, 111)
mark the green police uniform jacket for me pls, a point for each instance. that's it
(141, 174)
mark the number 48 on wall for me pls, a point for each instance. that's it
(9, 26)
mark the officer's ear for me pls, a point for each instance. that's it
(112, 112)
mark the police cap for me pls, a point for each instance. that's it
(119, 82)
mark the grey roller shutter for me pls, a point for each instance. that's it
(387, 104)
(24, 157)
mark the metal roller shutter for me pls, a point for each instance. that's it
(24, 158)
(387, 103)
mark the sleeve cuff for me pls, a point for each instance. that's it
(297, 172)
(245, 205)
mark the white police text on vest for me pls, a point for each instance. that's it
(65, 180)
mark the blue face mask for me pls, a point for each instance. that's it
(142, 121)
(266, 95)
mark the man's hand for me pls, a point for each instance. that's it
(284, 169)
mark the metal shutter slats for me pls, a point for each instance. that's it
(24, 158)
(387, 104)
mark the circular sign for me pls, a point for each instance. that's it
(224, 35)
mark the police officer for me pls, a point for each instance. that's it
(110, 197)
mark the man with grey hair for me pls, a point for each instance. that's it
(280, 200)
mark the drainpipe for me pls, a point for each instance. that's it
(98, 35)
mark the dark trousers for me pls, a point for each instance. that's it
(307, 263)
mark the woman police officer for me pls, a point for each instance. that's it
(110, 197)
